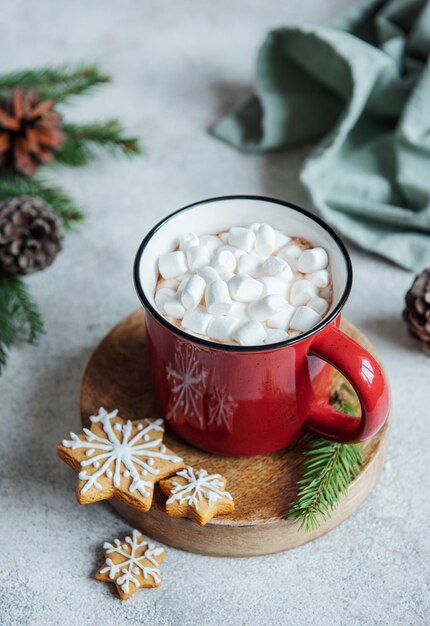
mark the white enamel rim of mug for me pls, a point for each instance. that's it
(221, 213)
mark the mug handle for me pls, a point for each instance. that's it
(368, 381)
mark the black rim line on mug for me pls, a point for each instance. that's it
(228, 347)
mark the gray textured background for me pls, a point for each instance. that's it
(177, 65)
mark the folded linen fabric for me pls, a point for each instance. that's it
(363, 87)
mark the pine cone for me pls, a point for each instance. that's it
(31, 233)
(417, 311)
(29, 132)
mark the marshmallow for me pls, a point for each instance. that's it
(228, 276)
(218, 301)
(223, 237)
(320, 305)
(239, 310)
(244, 288)
(237, 252)
(312, 260)
(188, 240)
(305, 318)
(211, 242)
(282, 319)
(224, 261)
(198, 256)
(222, 328)
(197, 321)
(254, 227)
(287, 274)
(274, 336)
(273, 284)
(249, 264)
(266, 307)
(291, 253)
(326, 293)
(264, 240)
(190, 332)
(251, 333)
(169, 283)
(292, 334)
(193, 292)
(242, 238)
(273, 265)
(302, 291)
(183, 282)
(320, 279)
(174, 307)
(280, 240)
(172, 264)
(162, 296)
(208, 274)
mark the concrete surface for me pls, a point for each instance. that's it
(177, 65)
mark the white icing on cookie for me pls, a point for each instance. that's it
(132, 564)
(115, 450)
(200, 485)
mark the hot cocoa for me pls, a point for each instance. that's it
(246, 286)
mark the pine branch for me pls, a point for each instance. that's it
(59, 83)
(83, 139)
(329, 468)
(15, 186)
(20, 319)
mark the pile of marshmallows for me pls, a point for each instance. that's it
(248, 286)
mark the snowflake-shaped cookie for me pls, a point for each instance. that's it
(131, 563)
(120, 458)
(197, 495)
(188, 381)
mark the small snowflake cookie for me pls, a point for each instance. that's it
(131, 563)
(197, 495)
(120, 458)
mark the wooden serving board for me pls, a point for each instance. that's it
(117, 377)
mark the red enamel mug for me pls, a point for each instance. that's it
(238, 400)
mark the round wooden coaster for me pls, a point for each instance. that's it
(263, 487)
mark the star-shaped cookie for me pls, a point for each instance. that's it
(121, 458)
(131, 563)
(197, 495)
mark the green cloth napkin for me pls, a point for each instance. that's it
(364, 85)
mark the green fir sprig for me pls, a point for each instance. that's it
(57, 83)
(82, 141)
(328, 470)
(20, 318)
(15, 186)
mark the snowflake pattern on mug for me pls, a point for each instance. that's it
(220, 409)
(188, 381)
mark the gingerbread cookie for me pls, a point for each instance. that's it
(197, 495)
(120, 458)
(131, 564)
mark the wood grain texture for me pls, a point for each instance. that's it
(117, 376)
